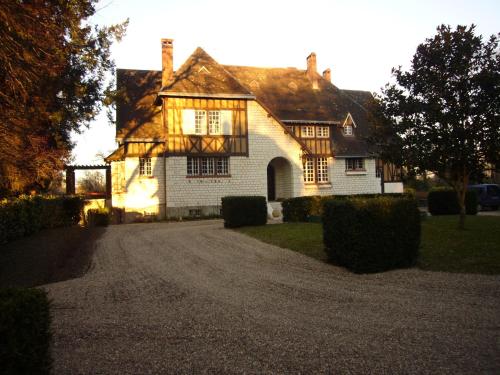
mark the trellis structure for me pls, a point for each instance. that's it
(70, 177)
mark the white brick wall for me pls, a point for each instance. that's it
(266, 140)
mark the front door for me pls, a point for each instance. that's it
(271, 186)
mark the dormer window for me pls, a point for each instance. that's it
(348, 130)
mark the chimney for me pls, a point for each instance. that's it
(327, 74)
(311, 72)
(167, 61)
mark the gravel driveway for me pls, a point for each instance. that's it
(195, 298)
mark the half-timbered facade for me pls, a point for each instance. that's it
(190, 137)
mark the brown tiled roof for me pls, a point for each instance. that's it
(136, 114)
(202, 75)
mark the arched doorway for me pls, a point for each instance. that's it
(279, 179)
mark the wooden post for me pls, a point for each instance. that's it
(108, 182)
(70, 181)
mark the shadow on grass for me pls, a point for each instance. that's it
(49, 256)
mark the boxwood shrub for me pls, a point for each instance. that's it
(444, 201)
(239, 211)
(369, 235)
(24, 332)
(20, 217)
(310, 208)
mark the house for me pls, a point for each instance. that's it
(189, 137)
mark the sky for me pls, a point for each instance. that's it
(359, 40)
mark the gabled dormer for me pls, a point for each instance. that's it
(348, 126)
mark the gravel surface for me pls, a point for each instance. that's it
(195, 298)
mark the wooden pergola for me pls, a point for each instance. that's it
(70, 177)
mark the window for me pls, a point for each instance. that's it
(200, 121)
(207, 166)
(348, 130)
(307, 131)
(214, 124)
(145, 167)
(354, 164)
(309, 170)
(197, 122)
(323, 131)
(322, 169)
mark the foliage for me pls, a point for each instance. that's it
(444, 201)
(53, 65)
(20, 217)
(443, 114)
(310, 207)
(239, 211)
(372, 235)
(25, 331)
(92, 182)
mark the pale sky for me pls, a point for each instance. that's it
(360, 41)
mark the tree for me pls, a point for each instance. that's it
(53, 65)
(443, 115)
(92, 182)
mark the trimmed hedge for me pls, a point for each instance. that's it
(239, 211)
(444, 201)
(20, 217)
(372, 235)
(309, 208)
(24, 332)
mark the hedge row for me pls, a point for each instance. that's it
(372, 235)
(445, 202)
(20, 217)
(311, 207)
(239, 211)
(24, 332)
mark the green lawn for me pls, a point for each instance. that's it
(443, 248)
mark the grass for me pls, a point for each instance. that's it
(443, 247)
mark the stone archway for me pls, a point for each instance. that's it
(279, 179)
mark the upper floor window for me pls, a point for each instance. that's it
(214, 125)
(145, 167)
(348, 130)
(197, 122)
(307, 131)
(207, 166)
(323, 132)
(354, 164)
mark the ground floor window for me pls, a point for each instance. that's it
(316, 170)
(207, 166)
(354, 164)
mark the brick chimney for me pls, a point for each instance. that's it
(312, 72)
(327, 74)
(167, 61)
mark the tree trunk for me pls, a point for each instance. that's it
(461, 191)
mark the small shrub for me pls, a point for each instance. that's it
(372, 235)
(24, 332)
(239, 211)
(444, 201)
(98, 217)
(296, 209)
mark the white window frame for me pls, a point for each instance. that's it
(193, 166)
(323, 131)
(307, 131)
(322, 170)
(355, 164)
(214, 123)
(145, 169)
(222, 166)
(200, 122)
(207, 166)
(348, 130)
(309, 175)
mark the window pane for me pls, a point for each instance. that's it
(145, 167)
(322, 169)
(309, 170)
(214, 125)
(207, 166)
(193, 166)
(200, 121)
(222, 166)
(307, 131)
(323, 131)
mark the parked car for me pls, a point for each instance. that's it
(488, 195)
